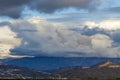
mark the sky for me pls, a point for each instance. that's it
(59, 28)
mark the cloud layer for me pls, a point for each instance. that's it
(14, 8)
(42, 37)
(50, 6)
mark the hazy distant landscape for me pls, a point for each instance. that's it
(61, 68)
(51, 63)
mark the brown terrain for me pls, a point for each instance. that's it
(102, 71)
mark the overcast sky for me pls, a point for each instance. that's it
(59, 28)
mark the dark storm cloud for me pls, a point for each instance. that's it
(4, 23)
(12, 8)
(116, 37)
(89, 32)
(50, 6)
(114, 9)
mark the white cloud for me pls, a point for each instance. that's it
(101, 41)
(8, 41)
(101, 45)
(106, 24)
(52, 37)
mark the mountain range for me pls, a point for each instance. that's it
(106, 70)
(51, 63)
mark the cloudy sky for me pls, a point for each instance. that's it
(59, 28)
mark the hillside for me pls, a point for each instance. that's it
(103, 71)
(15, 72)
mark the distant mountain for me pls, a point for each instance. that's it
(15, 72)
(51, 63)
(102, 71)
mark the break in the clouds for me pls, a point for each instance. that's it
(61, 28)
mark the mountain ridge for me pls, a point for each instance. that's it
(91, 73)
(100, 71)
(51, 63)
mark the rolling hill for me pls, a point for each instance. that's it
(15, 72)
(102, 71)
